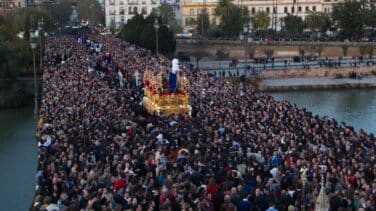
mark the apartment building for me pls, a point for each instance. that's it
(118, 12)
(277, 9)
(7, 6)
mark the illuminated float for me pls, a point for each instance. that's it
(166, 93)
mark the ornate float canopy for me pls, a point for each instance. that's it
(166, 93)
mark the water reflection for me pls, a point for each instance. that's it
(356, 107)
(18, 158)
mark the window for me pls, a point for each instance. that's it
(253, 10)
(135, 10)
(122, 19)
(130, 10)
(144, 10)
(274, 10)
(121, 11)
(191, 12)
(198, 11)
(306, 8)
(286, 10)
(112, 2)
(268, 10)
(121, 3)
(214, 21)
(314, 8)
(213, 11)
(292, 9)
(299, 9)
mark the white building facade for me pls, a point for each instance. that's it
(118, 12)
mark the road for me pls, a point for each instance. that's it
(279, 64)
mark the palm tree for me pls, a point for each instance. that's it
(224, 8)
(261, 20)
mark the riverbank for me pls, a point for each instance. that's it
(18, 93)
(315, 83)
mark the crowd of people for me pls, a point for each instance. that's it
(239, 149)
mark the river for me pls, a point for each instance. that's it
(18, 158)
(18, 152)
(356, 107)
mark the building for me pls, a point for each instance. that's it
(277, 9)
(7, 6)
(118, 12)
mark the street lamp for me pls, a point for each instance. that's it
(92, 16)
(245, 30)
(156, 27)
(33, 44)
(40, 29)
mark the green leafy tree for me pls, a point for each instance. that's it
(349, 17)
(222, 54)
(318, 21)
(232, 17)
(90, 10)
(261, 20)
(370, 16)
(9, 62)
(203, 23)
(61, 11)
(199, 54)
(141, 32)
(224, 8)
(293, 25)
(166, 12)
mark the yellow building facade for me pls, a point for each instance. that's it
(277, 9)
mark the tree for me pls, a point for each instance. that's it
(221, 55)
(370, 16)
(232, 17)
(9, 62)
(293, 25)
(261, 20)
(344, 49)
(90, 10)
(166, 12)
(269, 52)
(318, 21)
(199, 54)
(203, 23)
(224, 8)
(349, 17)
(61, 11)
(141, 32)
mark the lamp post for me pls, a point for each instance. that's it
(245, 30)
(40, 29)
(156, 28)
(33, 44)
(92, 16)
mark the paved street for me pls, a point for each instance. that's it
(316, 81)
(223, 67)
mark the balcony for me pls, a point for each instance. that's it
(132, 2)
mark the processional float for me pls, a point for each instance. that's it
(166, 93)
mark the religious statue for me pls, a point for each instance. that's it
(166, 93)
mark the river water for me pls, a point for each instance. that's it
(356, 107)
(18, 151)
(18, 155)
